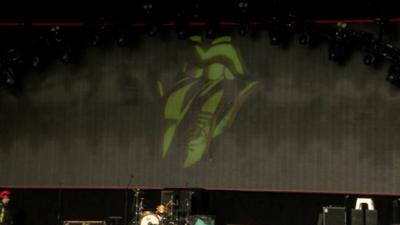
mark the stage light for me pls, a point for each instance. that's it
(210, 33)
(278, 31)
(182, 25)
(336, 52)
(148, 8)
(151, 30)
(66, 58)
(181, 33)
(304, 39)
(274, 39)
(58, 36)
(243, 29)
(374, 50)
(35, 61)
(393, 75)
(243, 5)
(94, 40)
(212, 29)
(8, 76)
(243, 16)
(369, 59)
(14, 56)
(121, 40)
(66, 54)
(196, 10)
(338, 46)
(99, 31)
(182, 30)
(150, 18)
(62, 46)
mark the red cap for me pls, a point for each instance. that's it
(4, 193)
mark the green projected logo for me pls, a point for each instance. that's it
(211, 91)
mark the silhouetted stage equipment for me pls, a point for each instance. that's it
(177, 207)
(396, 212)
(84, 222)
(332, 216)
(364, 215)
(187, 201)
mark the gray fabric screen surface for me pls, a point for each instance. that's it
(309, 124)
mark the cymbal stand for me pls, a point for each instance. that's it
(188, 206)
(138, 205)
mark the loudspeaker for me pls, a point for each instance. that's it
(364, 217)
(333, 215)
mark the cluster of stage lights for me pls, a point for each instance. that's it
(33, 54)
(344, 41)
(341, 40)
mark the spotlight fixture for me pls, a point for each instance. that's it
(151, 24)
(393, 75)
(181, 33)
(151, 29)
(274, 38)
(8, 76)
(195, 9)
(94, 40)
(14, 56)
(243, 6)
(121, 40)
(98, 31)
(35, 61)
(243, 29)
(336, 52)
(304, 39)
(279, 31)
(39, 52)
(307, 32)
(66, 58)
(274, 32)
(339, 44)
(148, 8)
(369, 59)
(66, 54)
(181, 25)
(58, 36)
(243, 11)
(212, 29)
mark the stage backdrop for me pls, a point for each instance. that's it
(232, 112)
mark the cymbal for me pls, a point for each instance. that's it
(162, 209)
(171, 202)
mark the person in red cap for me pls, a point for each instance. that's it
(5, 217)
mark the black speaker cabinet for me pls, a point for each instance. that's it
(359, 218)
(333, 215)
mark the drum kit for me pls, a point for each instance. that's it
(165, 214)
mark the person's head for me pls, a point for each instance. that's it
(5, 197)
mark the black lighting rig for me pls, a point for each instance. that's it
(38, 43)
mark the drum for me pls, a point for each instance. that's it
(149, 218)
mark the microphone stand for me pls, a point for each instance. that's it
(137, 207)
